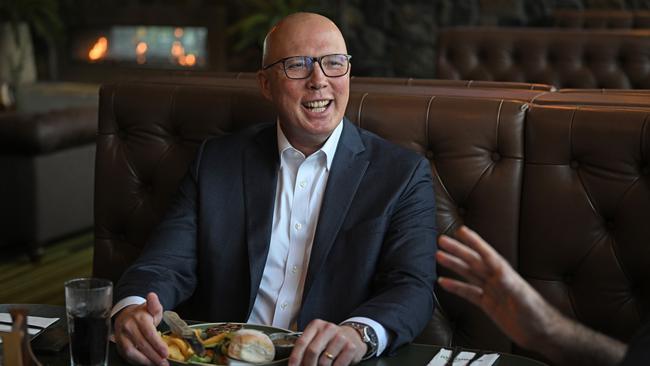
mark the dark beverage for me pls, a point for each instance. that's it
(88, 339)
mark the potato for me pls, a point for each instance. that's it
(181, 349)
(213, 341)
(175, 353)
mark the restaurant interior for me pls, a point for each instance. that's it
(534, 115)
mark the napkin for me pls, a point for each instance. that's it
(462, 358)
(35, 324)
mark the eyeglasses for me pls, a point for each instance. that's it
(301, 67)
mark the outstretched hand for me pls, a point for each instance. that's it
(494, 286)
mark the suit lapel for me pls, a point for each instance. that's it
(260, 180)
(345, 176)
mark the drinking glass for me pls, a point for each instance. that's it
(88, 303)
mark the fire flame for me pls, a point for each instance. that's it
(99, 49)
(141, 48)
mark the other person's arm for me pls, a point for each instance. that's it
(520, 311)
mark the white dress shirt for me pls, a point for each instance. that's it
(299, 194)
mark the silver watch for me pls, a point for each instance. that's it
(368, 336)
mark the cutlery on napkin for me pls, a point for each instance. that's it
(446, 357)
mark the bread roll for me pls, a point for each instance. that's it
(251, 346)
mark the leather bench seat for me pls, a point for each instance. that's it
(47, 161)
(616, 59)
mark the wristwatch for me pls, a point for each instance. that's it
(368, 336)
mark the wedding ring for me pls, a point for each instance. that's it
(328, 355)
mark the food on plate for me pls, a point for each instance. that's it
(223, 328)
(251, 346)
(229, 340)
(179, 350)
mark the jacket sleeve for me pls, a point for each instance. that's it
(167, 264)
(402, 297)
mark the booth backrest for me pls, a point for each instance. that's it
(563, 58)
(584, 238)
(562, 192)
(363, 80)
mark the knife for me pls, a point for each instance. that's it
(180, 328)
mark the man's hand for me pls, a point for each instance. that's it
(136, 336)
(519, 310)
(492, 285)
(324, 343)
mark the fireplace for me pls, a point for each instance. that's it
(140, 41)
(147, 46)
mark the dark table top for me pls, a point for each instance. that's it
(51, 347)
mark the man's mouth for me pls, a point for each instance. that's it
(317, 106)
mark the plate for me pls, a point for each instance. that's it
(262, 328)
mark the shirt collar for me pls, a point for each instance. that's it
(328, 148)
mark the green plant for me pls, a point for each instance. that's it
(42, 16)
(262, 15)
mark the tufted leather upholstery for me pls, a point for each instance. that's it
(143, 150)
(448, 83)
(563, 58)
(500, 165)
(585, 239)
(601, 19)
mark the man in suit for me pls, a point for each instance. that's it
(308, 223)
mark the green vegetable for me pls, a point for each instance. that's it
(196, 358)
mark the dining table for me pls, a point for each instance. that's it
(51, 345)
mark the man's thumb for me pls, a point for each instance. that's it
(154, 307)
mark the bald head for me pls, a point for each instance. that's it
(286, 37)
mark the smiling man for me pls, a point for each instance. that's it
(310, 223)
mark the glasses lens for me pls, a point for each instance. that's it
(335, 65)
(297, 67)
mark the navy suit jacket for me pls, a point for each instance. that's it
(372, 255)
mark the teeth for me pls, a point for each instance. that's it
(317, 105)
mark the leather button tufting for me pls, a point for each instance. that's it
(574, 164)
(495, 156)
(429, 154)
(461, 211)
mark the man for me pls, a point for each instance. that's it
(309, 223)
(522, 313)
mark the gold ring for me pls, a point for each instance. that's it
(328, 355)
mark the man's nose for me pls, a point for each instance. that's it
(317, 79)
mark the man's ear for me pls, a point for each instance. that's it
(265, 84)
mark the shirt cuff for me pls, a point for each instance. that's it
(130, 300)
(380, 331)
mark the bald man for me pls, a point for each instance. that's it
(311, 224)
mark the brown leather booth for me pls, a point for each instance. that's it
(562, 191)
(616, 59)
(47, 162)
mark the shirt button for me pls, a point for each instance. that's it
(294, 269)
(284, 306)
(303, 184)
(298, 226)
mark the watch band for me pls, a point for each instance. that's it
(368, 336)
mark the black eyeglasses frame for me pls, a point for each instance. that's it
(313, 61)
